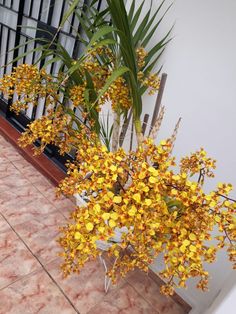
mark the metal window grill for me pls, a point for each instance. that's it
(19, 20)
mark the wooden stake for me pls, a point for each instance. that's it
(125, 128)
(158, 101)
(145, 121)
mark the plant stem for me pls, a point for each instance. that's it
(227, 198)
(138, 130)
(116, 130)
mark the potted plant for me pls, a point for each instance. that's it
(157, 208)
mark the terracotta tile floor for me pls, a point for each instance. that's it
(30, 280)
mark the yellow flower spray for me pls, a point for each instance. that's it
(162, 210)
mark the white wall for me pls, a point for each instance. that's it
(226, 300)
(201, 67)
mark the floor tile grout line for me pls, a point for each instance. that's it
(34, 184)
(40, 192)
(22, 277)
(46, 271)
(49, 203)
(17, 239)
(34, 218)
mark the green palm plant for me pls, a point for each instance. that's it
(123, 31)
(131, 37)
(131, 32)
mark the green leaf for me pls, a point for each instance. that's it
(87, 29)
(99, 34)
(74, 117)
(68, 13)
(127, 51)
(89, 80)
(139, 32)
(174, 204)
(37, 29)
(104, 42)
(136, 17)
(87, 98)
(68, 62)
(114, 76)
(152, 31)
(53, 60)
(158, 46)
(94, 2)
(106, 132)
(90, 93)
(25, 54)
(131, 11)
(150, 23)
(151, 66)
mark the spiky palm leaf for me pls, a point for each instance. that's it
(123, 31)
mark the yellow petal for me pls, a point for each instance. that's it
(183, 231)
(117, 199)
(97, 208)
(89, 226)
(153, 180)
(156, 225)
(137, 197)
(106, 216)
(174, 260)
(113, 168)
(181, 268)
(212, 204)
(192, 237)
(190, 254)
(193, 248)
(182, 248)
(146, 189)
(231, 226)
(100, 180)
(110, 194)
(116, 253)
(186, 242)
(101, 229)
(104, 149)
(148, 202)
(142, 175)
(80, 247)
(114, 216)
(112, 223)
(163, 143)
(114, 177)
(132, 211)
(120, 170)
(94, 239)
(77, 236)
(153, 171)
(78, 226)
